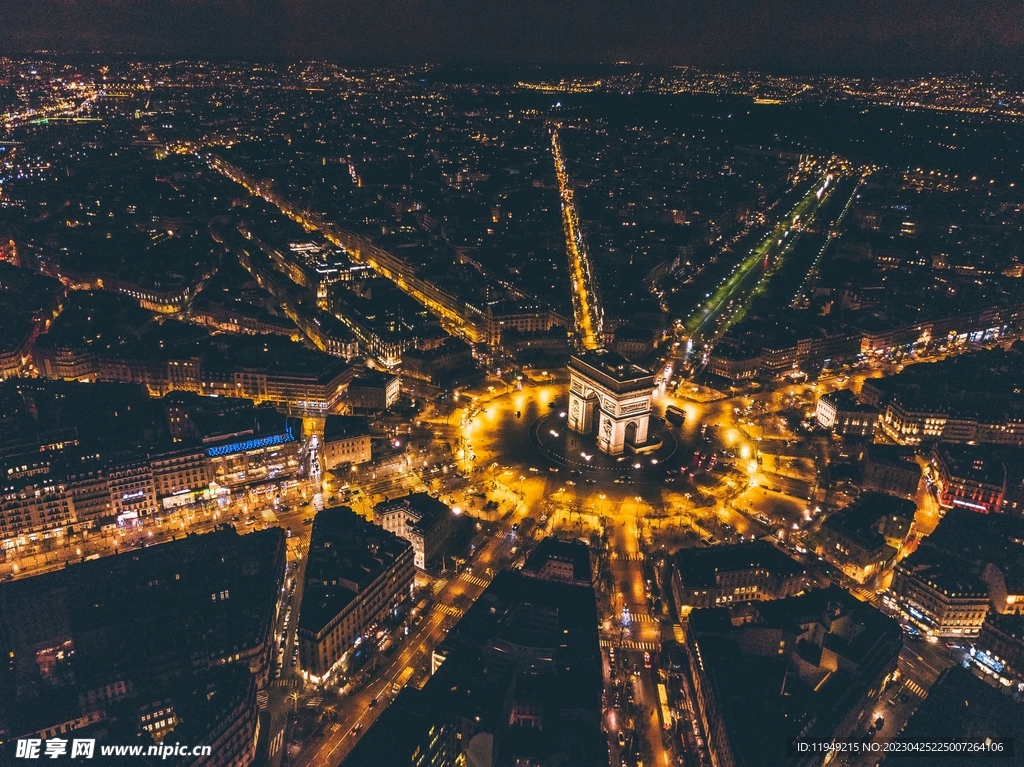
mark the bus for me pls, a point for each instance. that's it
(674, 415)
(402, 680)
(666, 714)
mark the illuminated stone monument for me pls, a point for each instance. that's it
(610, 397)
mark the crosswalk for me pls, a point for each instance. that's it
(286, 683)
(627, 556)
(678, 634)
(643, 618)
(448, 610)
(314, 702)
(262, 699)
(915, 688)
(277, 742)
(476, 580)
(863, 594)
(629, 644)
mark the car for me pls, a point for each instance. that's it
(647, 660)
(375, 701)
(356, 730)
(622, 739)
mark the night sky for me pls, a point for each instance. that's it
(886, 37)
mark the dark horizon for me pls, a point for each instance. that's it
(857, 38)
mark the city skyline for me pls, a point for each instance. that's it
(864, 37)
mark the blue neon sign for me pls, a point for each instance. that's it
(252, 444)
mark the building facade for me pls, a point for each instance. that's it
(132, 491)
(999, 651)
(840, 413)
(891, 470)
(268, 450)
(420, 519)
(373, 391)
(181, 477)
(969, 477)
(356, 574)
(724, 575)
(939, 603)
(909, 425)
(346, 441)
(32, 506)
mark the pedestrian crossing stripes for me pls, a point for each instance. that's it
(629, 644)
(627, 556)
(678, 634)
(475, 580)
(262, 698)
(643, 618)
(863, 595)
(448, 610)
(915, 688)
(286, 683)
(314, 702)
(277, 742)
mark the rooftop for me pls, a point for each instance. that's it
(893, 455)
(114, 327)
(339, 427)
(426, 510)
(859, 520)
(845, 402)
(346, 554)
(961, 707)
(983, 385)
(612, 368)
(525, 645)
(776, 675)
(372, 378)
(982, 538)
(972, 463)
(574, 554)
(196, 600)
(701, 566)
(1008, 623)
(24, 298)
